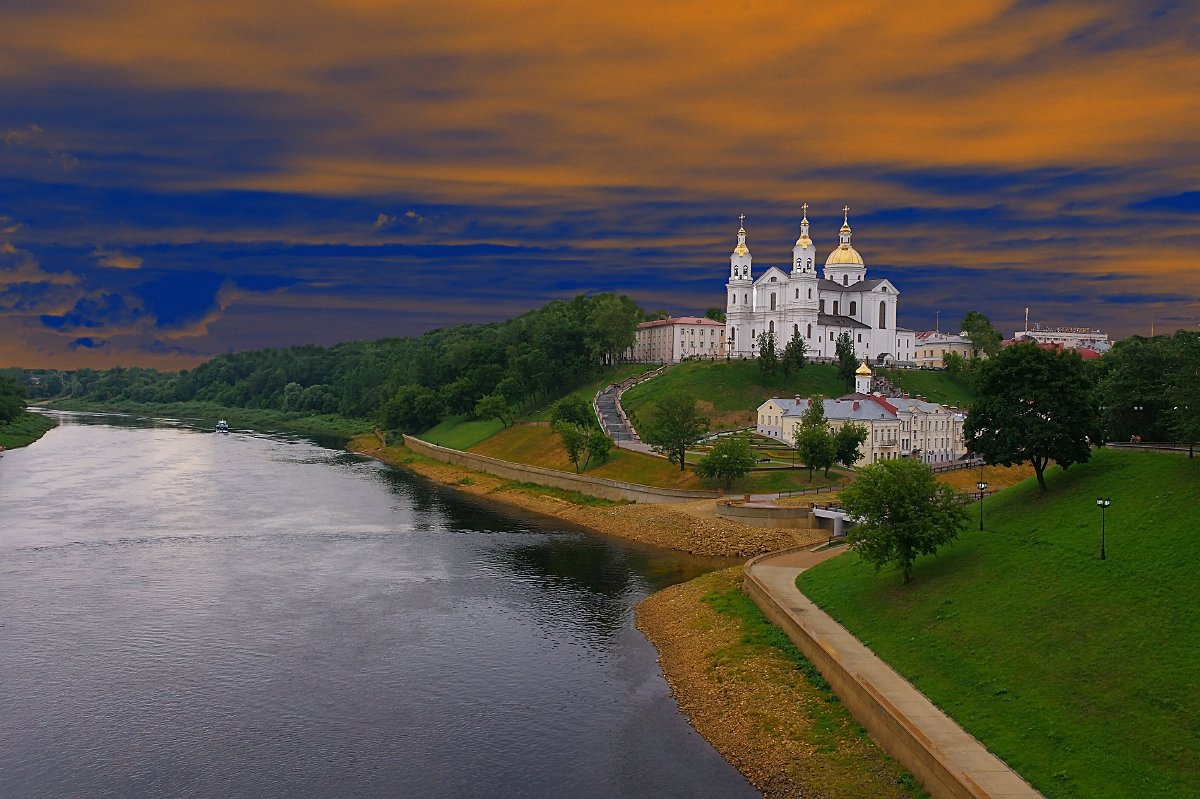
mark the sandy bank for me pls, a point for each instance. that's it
(788, 737)
(691, 527)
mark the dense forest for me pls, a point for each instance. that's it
(402, 383)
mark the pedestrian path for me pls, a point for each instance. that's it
(947, 760)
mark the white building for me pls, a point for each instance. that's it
(1070, 338)
(817, 307)
(674, 339)
(897, 427)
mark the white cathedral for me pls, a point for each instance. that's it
(785, 303)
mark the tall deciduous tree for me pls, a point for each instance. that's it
(574, 441)
(768, 356)
(984, 336)
(847, 360)
(902, 511)
(494, 406)
(814, 442)
(573, 408)
(730, 459)
(1034, 405)
(677, 426)
(846, 443)
(795, 354)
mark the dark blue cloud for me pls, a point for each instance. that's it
(1187, 202)
(178, 299)
(89, 343)
(106, 309)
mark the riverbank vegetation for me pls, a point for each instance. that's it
(24, 429)
(1080, 673)
(749, 691)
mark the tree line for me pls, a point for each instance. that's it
(404, 384)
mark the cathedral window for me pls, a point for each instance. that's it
(772, 299)
(745, 299)
(810, 294)
(808, 263)
(845, 280)
(882, 315)
(836, 305)
(809, 331)
(853, 307)
(771, 325)
(795, 330)
(797, 293)
(822, 306)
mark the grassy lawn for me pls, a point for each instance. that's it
(934, 385)
(461, 432)
(24, 430)
(1082, 674)
(614, 374)
(538, 445)
(729, 391)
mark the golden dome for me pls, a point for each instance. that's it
(804, 241)
(844, 254)
(741, 249)
(863, 370)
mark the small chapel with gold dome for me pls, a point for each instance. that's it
(817, 307)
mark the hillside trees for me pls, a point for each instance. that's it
(847, 361)
(12, 400)
(847, 443)
(814, 443)
(902, 511)
(676, 426)
(1034, 405)
(731, 458)
(985, 338)
(795, 355)
(768, 356)
(1148, 387)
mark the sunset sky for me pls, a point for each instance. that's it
(187, 178)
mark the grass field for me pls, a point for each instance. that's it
(933, 385)
(24, 430)
(1082, 674)
(538, 445)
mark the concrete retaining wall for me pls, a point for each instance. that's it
(887, 725)
(765, 516)
(595, 486)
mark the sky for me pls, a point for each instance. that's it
(180, 179)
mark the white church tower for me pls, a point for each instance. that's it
(803, 292)
(741, 294)
(844, 265)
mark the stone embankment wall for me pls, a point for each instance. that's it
(595, 486)
(889, 725)
(762, 515)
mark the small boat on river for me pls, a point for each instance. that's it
(222, 426)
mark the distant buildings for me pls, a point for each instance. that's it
(677, 338)
(897, 427)
(797, 301)
(1070, 338)
(931, 347)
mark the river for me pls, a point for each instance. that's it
(188, 614)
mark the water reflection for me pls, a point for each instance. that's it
(196, 615)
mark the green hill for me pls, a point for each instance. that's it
(731, 391)
(1082, 674)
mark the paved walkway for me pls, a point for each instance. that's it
(980, 772)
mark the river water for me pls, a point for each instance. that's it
(187, 614)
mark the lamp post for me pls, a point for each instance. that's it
(1102, 503)
(982, 486)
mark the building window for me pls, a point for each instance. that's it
(771, 325)
(745, 299)
(809, 332)
(853, 308)
(772, 299)
(882, 315)
(810, 294)
(797, 293)
(836, 307)
(822, 306)
(860, 338)
(845, 280)
(795, 330)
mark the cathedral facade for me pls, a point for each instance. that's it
(816, 306)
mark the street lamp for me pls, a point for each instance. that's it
(1102, 503)
(982, 486)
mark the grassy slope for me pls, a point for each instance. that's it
(463, 432)
(730, 391)
(538, 445)
(1082, 674)
(933, 385)
(24, 430)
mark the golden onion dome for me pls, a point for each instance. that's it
(844, 254)
(741, 249)
(804, 241)
(863, 370)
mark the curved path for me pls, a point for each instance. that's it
(946, 759)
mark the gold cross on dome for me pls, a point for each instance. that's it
(805, 208)
(846, 214)
(742, 220)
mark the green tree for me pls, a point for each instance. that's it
(412, 409)
(574, 441)
(901, 511)
(768, 356)
(814, 443)
(715, 313)
(677, 425)
(575, 409)
(494, 406)
(612, 323)
(1185, 390)
(1135, 388)
(984, 336)
(12, 400)
(729, 459)
(847, 442)
(1034, 405)
(599, 446)
(795, 355)
(847, 360)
